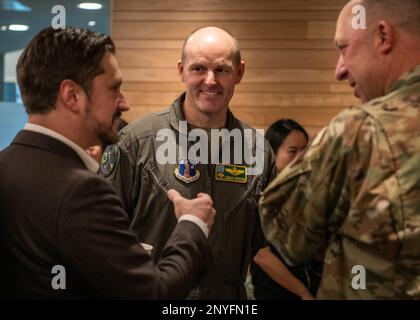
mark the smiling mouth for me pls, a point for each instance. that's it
(210, 93)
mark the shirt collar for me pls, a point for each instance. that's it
(408, 79)
(89, 162)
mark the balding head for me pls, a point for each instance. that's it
(373, 58)
(210, 67)
(211, 36)
(403, 14)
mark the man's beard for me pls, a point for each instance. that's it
(105, 134)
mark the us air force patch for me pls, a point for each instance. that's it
(109, 161)
(187, 171)
(231, 173)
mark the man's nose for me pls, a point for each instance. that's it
(210, 77)
(340, 69)
(122, 103)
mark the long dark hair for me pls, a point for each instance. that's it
(280, 129)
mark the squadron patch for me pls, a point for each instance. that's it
(109, 161)
(186, 171)
(231, 173)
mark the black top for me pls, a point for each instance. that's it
(266, 288)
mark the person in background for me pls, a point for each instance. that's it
(272, 279)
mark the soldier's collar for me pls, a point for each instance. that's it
(408, 79)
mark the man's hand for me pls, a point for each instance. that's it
(201, 207)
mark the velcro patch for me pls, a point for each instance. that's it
(109, 161)
(231, 173)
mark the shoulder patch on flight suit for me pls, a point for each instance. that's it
(231, 173)
(109, 161)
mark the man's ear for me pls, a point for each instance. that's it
(71, 95)
(386, 36)
(240, 72)
(181, 70)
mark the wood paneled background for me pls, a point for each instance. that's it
(287, 46)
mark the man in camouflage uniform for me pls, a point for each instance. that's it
(356, 190)
(210, 67)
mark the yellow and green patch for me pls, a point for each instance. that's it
(231, 173)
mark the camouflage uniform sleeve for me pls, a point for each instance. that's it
(305, 202)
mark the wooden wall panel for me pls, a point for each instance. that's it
(301, 59)
(253, 99)
(309, 76)
(180, 29)
(287, 46)
(283, 15)
(231, 5)
(245, 44)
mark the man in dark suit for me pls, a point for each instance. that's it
(63, 232)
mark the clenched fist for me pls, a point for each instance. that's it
(201, 207)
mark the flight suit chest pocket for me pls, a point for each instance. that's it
(243, 198)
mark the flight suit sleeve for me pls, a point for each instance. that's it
(118, 165)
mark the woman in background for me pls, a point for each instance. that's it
(271, 278)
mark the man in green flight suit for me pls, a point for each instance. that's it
(210, 67)
(355, 192)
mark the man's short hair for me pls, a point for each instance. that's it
(403, 13)
(237, 54)
(54, 55)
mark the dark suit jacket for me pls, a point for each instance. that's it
(53, 211)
